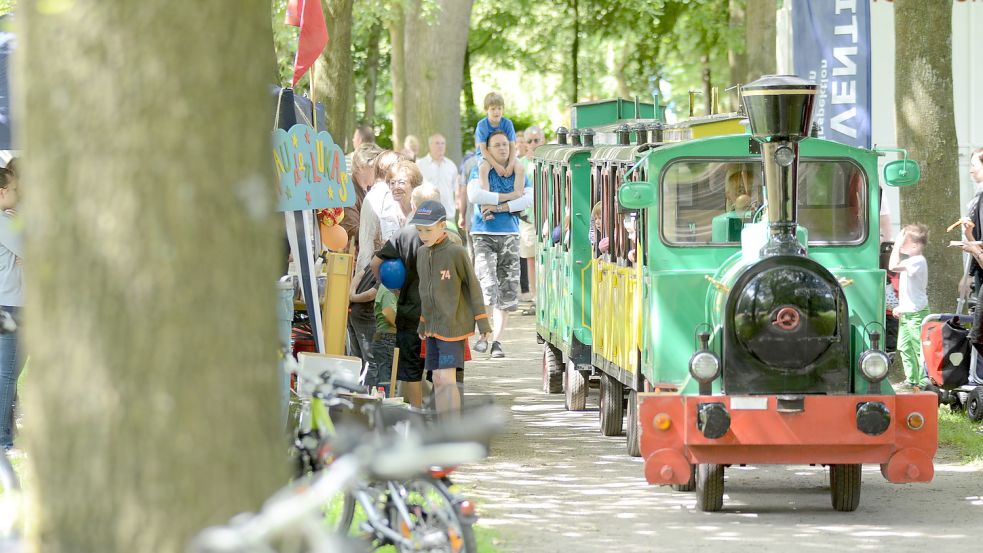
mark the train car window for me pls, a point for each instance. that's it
(832, 201)
(567, 203)
(543, 191)
(557, 205)
(708, 202)
(619, 249)
(607, 213)
(594, 232)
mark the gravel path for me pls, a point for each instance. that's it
(553, 483)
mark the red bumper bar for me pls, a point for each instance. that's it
(825, 431)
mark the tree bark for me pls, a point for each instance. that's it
(760, 29)
(707, 83)
(434, 72)
(371, 73)
(575, 53)
(397, 71)
(468, 82)
(333, 73)
(926, 127)
(152, 404)
(737, 57)
(620, 63)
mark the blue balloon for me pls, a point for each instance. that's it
(392, 273)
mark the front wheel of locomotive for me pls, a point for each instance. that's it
(575, 388)
(709, 487)
(633, 433)
(689, 486)
(612, 406)
(844, 487)
(552, 370)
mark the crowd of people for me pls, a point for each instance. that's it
(465, 237)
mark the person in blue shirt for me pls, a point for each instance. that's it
(495, 121)
(495, 236)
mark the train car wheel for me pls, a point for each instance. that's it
(974, 404)
(612, 405)
(709, 487)
(689, 486)
(844, 487)
(633, 433)
(552, 370)
(575, 388)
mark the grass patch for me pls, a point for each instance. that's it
(962, 434)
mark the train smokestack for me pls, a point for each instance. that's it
(779, 108)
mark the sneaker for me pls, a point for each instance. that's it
(481, 346)
(496, 350)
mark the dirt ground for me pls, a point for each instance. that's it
(554, 484)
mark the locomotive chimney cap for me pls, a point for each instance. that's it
(779, 107)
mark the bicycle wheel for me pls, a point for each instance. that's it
(435, 524)
(346, 514)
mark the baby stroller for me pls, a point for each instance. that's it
(952, 364)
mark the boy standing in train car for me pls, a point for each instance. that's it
(912, 301)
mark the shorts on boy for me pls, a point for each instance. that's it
(410, 363)
(380, 369)
(442, 354)
(496, 264)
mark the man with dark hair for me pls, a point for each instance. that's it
(495, 235)
(363, 135)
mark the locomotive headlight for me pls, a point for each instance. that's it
(704, 366)
(874, 365)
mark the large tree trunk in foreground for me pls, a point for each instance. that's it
(927, 128)
(372, 60)
(760, 32)
(435, 60)
(333, 73)
(151, 404)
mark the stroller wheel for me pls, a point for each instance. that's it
(955, 405)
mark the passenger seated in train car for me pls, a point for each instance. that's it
(594, 234)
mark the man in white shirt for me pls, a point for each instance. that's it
(442, 173)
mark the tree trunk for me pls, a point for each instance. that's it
(397, 71)
(737, 56)
(333, 73)
(926, 127)
(760, 33)
(575, 53)
(620, 63)
(707, 84)
(468, 83)
(152, 405)
(433, 102)
(371, 73)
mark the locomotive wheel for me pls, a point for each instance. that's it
(612, 405)
(844, 487)
(575, 388)
(634, 432)
(689, 486)
(552, 370)
(709, 487)
(974, 404)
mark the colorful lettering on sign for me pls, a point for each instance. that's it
(310, 170)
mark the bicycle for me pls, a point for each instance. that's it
(418, 512)
(291, 518)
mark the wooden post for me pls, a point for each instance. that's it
(392, 375)
(334, 313)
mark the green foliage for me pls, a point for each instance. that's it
(964, 435)
(7, 6)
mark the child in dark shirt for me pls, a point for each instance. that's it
(450, 300)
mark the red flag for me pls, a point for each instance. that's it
(312, 39)
(293, 14)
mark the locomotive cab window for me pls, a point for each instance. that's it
(709, 202)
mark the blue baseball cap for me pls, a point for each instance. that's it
(429, 213)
